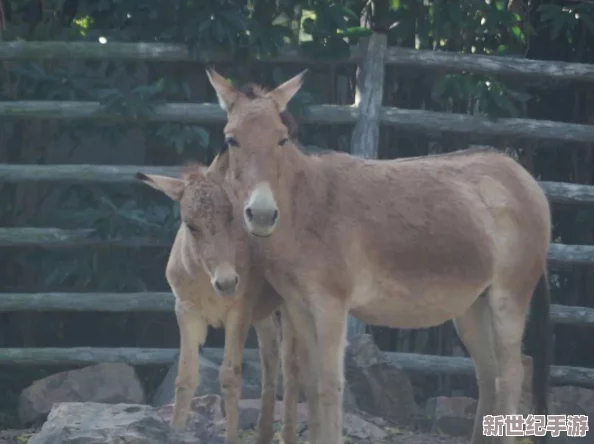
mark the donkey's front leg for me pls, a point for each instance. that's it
(236, 329)
(290, 368)
(330, 316)
(268, 331)
(307, 351)
(192, 330)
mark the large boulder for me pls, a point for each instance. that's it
(377, 387)
(104, 383)
(452, 416)
(95, 423)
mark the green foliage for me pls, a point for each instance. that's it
(560, 18)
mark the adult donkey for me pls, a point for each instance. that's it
(211, 275)
(401, 243)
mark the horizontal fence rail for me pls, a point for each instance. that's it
(83, 237)
(63, 238)
(412, 362)
(165, 301)
(429, 122)
(557, 192)
(436, 60)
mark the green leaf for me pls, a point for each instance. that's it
(357, 31)
(394, 5)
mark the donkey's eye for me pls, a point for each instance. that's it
(283, 141)
(231, 141)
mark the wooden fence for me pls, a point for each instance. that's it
(366, 114)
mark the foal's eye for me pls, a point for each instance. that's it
(283, 141)
(231, 141)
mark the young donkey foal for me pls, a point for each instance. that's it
(406, 243)
(210, 274)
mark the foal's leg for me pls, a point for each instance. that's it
(475, 331)
(305, 342)
(237, 326)
(290, 379)
(330, 315)
(508, 310)
(268, 332)
(192, 329)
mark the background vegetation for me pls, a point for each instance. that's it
(539, 29)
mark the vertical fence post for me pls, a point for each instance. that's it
(365, 135)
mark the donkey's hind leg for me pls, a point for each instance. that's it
(508, 312)
(475, 331)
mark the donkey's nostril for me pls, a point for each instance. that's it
(274, 216)
(249, 214)
(236, 280)
(218, 286)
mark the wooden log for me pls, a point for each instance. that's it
(427, 122)
(571, 254)
(62, 238)
(437, 60)
(557, 192)
(141, 51)
(205, 113)
(82, 173)
(165, 301)
(434, 124)
(488, 64)
(567, 193)
(443, 365)
(368, 98)
(409, 362)
(365, 136)
(572, 315)
(107, 302)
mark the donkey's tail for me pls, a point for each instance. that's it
(539, 345)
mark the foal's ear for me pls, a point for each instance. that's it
(226, 93)
(174, 188)
(283, 93)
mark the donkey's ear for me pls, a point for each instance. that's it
(219, 166)
(283, 94)
(226, 93)
(174, 188)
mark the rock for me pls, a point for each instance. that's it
(375, 386)
(206, 422)
(356, 427)
(249, 409)
(209, 382)
(452, 415)
(95, 423)
(571, 400)
(104, 383)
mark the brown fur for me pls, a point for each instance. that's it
(398, 243)
(201, 245)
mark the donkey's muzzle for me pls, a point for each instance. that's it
(261, 212)
(226, 283)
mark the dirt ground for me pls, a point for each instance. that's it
(14, 436)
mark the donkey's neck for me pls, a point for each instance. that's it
(303, 182)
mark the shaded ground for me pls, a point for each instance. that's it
(20, 436)
(13, 436)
